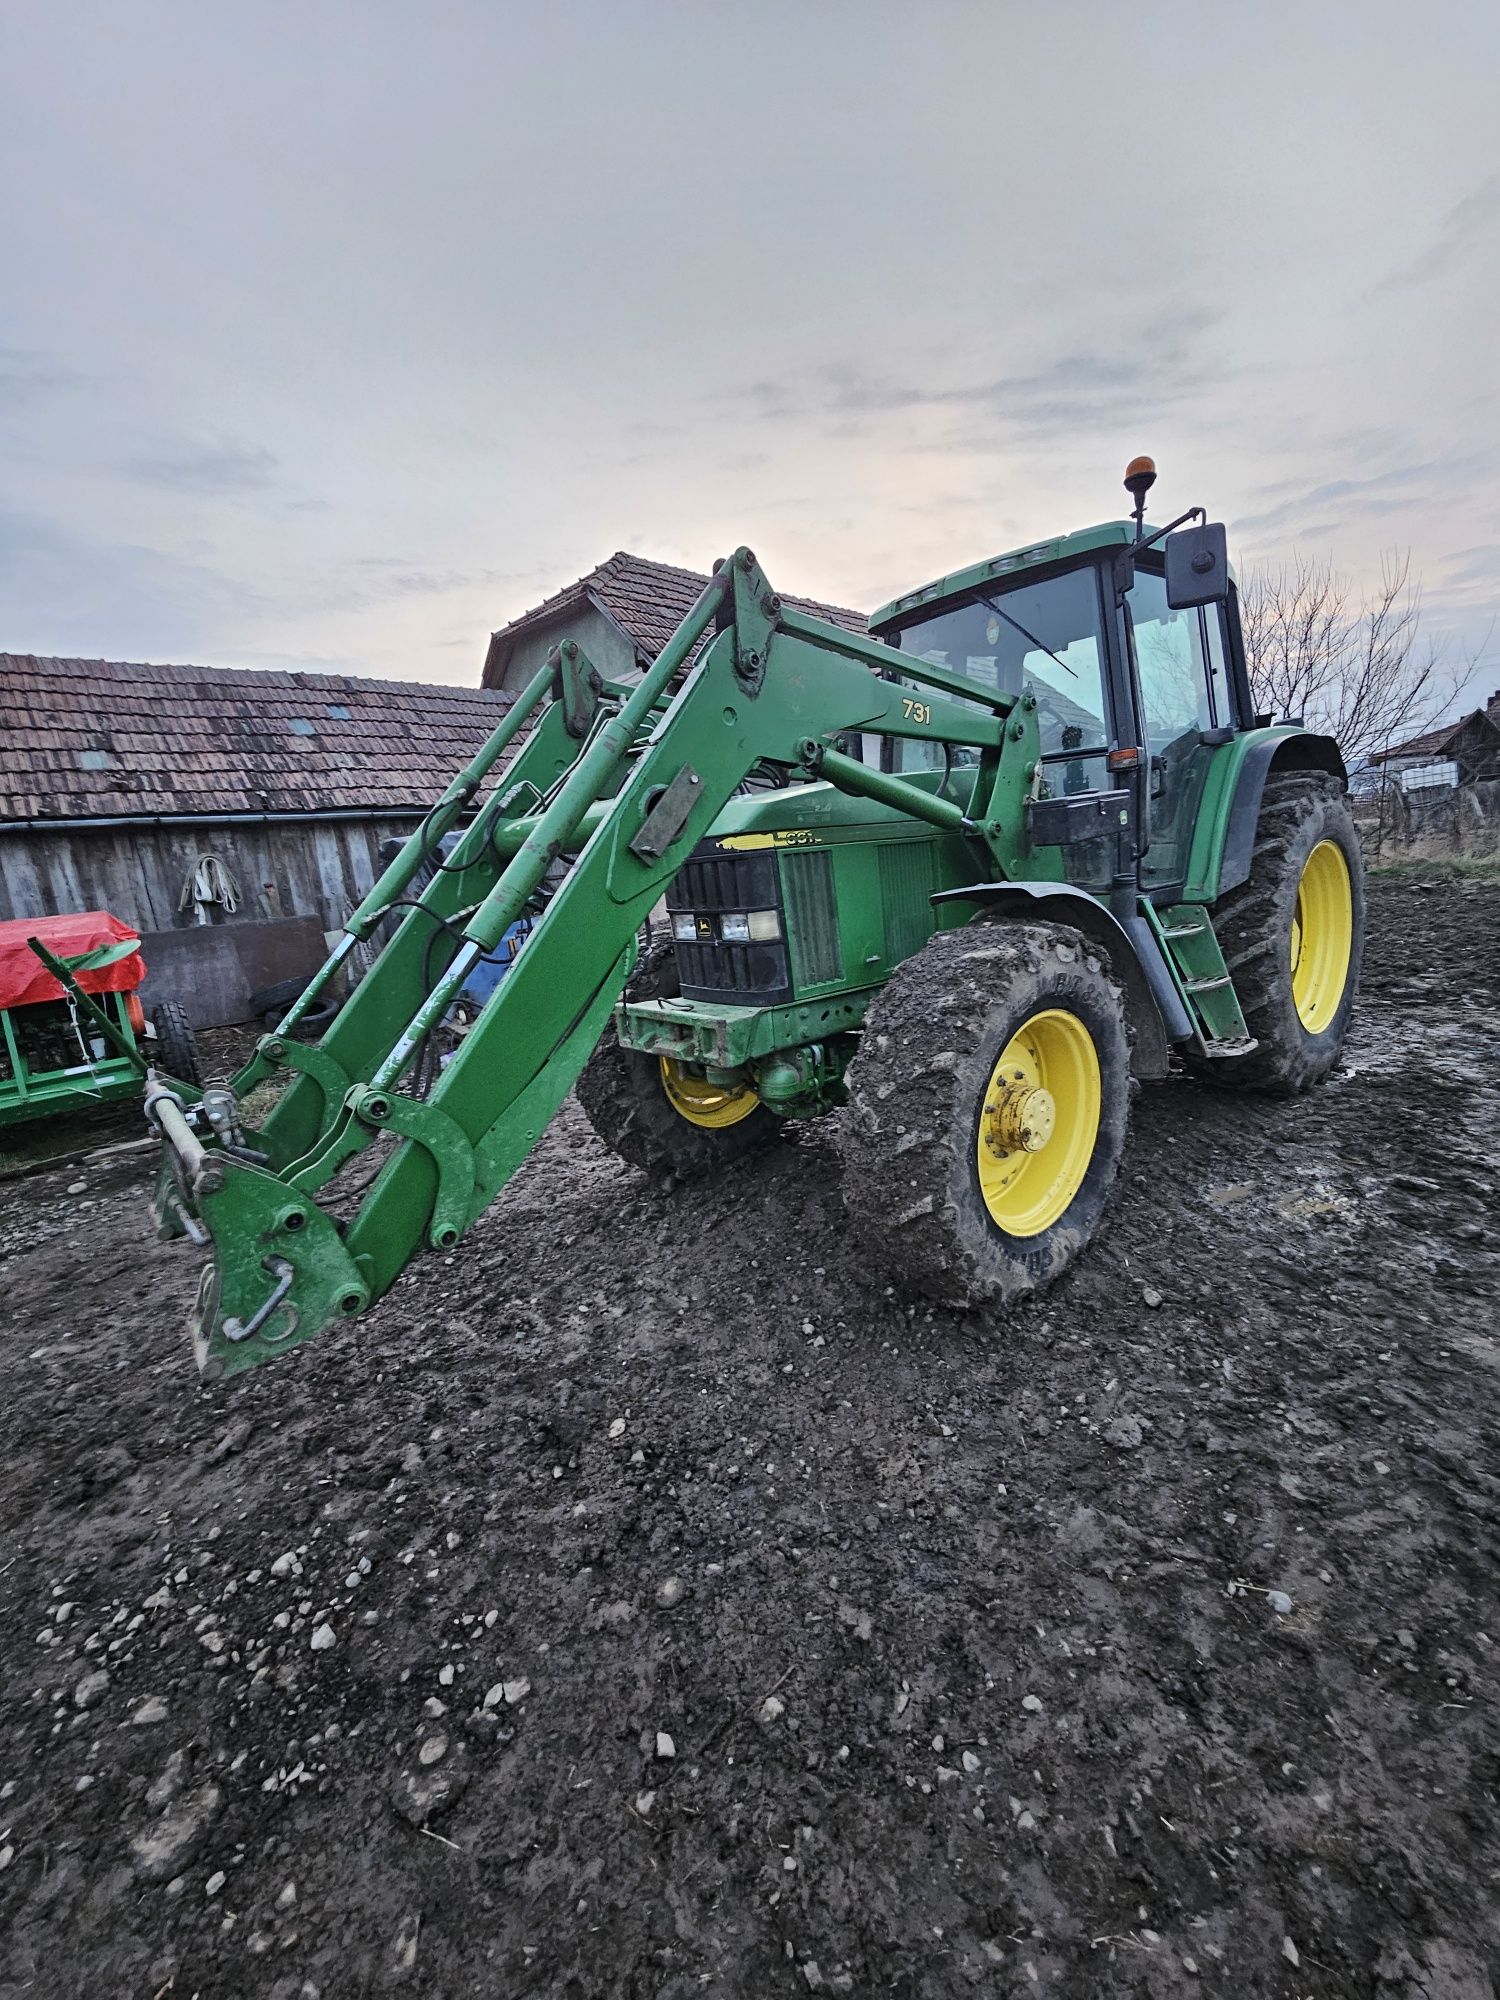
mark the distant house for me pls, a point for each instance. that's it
(621, 614)
(117, 781)
(1465, 752)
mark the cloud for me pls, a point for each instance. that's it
(1479, 566)
(71, 595)
(26, 376)
(1077, 390)
(1393, 490)
(374, 578)
(1465, 222)
(218, 469)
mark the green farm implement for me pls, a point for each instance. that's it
(956, 881)
(73, 1028)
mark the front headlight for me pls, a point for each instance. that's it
(765, 926)
(734, 928)
(684, 926)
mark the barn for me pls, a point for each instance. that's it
(232, 816)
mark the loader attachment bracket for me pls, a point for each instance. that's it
(668, 815)
(275, 1053)
(577, 685)
(279, 1272)
(449, 1147)
(752, 610)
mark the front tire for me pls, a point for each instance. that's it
(989, 1103)
(1293, 936)
(657, 1114)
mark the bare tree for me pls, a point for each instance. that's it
(1356, 667)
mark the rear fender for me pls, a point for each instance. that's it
(1278, 750)
(1060, 903)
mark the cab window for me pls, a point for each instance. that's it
(1182, 672)
(1042, 636)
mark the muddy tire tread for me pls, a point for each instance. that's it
(1253, 922)
(906, 1140)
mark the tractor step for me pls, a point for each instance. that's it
(1231, 1048)
(1187, 933)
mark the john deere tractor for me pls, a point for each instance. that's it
(953, 884)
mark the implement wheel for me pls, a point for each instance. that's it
(656, 1113)
(1293, 936)
(176, 1045)
(989, 1103)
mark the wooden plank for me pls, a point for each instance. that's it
(284, 870)
(212, 969)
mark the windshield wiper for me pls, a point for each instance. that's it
(990, 605)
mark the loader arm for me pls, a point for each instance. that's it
(618, 789)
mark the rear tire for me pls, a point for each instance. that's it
(624, 1096)
(1290, 910)
(176, 1045)
(937, 1143)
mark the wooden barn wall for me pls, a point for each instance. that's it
(292, 869)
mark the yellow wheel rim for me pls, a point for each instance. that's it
(1039, 1123)
(701, 1102)
(1322, 936)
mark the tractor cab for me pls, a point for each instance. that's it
(1133, 692)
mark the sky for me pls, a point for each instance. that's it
(334, 335)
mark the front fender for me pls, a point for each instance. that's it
(1154, 1015)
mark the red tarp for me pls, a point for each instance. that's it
(23, 977)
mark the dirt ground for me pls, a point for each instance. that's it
(644, 1601)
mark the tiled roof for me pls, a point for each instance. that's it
(1433, 742)
(1427, 744)
(649, 600)
(100, 737)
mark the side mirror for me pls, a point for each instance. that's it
(1197, 566)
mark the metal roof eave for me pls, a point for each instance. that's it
(91, 823)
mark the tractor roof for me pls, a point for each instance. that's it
(1084, 541)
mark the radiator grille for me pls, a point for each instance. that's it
(710, 969)
(908, 876)
(725, 882)
(812, 917)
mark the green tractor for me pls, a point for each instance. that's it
(958, 882)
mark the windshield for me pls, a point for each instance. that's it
(1042, 636)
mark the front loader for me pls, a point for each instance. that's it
(955, 881)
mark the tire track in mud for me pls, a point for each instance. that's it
(1141, 1642)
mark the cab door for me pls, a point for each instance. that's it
(1182, 692)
